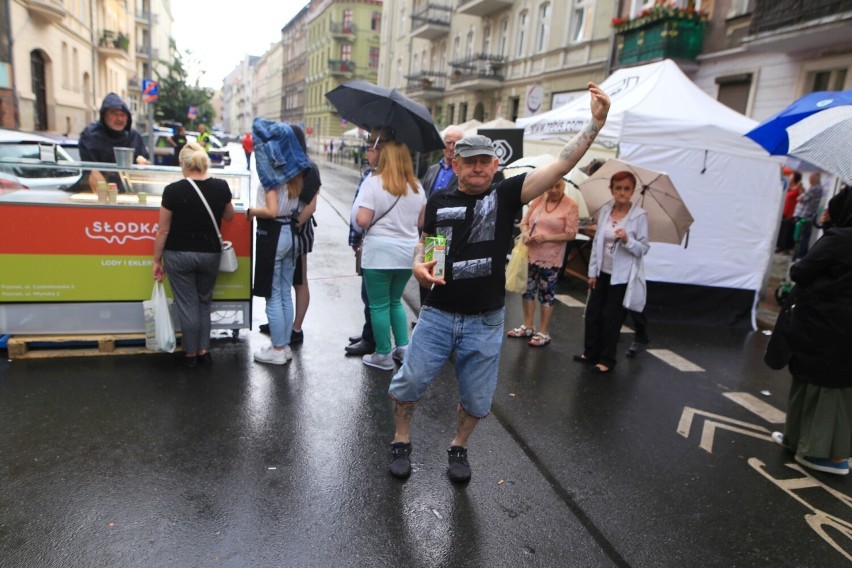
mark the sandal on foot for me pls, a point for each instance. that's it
(583, 359)
(539, 340)
(521, 331)
(602, 369)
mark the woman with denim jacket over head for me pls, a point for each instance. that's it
(621, 239)
(280, 164)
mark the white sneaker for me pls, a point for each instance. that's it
(273, 356)
(398, 353)
(384, 362)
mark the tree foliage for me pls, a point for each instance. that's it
(177, 96)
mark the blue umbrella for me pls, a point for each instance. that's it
(816, 128)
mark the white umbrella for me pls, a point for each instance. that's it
(531, 162)
(668, 217)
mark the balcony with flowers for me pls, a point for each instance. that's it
(664, 30)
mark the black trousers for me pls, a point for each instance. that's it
(640, 325)
(604, 316)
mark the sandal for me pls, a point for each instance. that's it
(521, 331)
(539, 340)
(583, 359)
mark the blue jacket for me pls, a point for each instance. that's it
(277, 152)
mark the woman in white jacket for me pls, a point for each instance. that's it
(621, 240)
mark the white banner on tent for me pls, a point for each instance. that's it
(661, 120)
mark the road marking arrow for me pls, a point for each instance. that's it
(722, 423)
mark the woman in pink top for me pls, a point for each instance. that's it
(550, 222)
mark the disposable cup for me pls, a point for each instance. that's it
(123, 157)
(142, 197)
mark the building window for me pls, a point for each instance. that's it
(827, 80)
(463, 112)
(515, 105)
(456, 48)
(581, 21)
(468, 50)
(543, 27)
(374, 57)
(522, 32)
(347, 21)
(376, 21)
(504, 38)
(451, 114)
(345, 52)
(734, 91)
(486, 40)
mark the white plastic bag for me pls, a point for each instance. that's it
(159, 329)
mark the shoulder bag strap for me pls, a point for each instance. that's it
(376, 220)
(206, 206)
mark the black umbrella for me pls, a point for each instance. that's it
(370, 106)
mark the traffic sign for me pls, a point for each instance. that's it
(150, 90)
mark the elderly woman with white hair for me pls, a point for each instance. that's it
(187, 247)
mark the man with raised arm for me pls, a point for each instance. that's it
(464, 311)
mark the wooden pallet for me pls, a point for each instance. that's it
(23, 346)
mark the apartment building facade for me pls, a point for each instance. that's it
(237, 97)
(66, 55)
(342, 42)
(267, 83)
(294, 42)
(483, 59)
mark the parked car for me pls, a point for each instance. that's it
(164, 153)
(30, 152)
(70, 145)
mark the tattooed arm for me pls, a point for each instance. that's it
(540, 179)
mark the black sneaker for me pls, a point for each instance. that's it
(264, 328)
(400, 465)
(459, 470)
(297, 337)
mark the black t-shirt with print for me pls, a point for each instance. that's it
(191, 228)
(478, 229)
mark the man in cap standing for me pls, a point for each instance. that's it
(464, 311)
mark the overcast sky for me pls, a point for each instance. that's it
(221, 34)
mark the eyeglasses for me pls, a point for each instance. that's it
(375, 143)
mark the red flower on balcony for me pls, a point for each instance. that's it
(659, 11)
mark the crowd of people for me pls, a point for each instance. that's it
(462, 200)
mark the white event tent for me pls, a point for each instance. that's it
(661, 120)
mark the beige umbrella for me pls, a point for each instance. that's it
(668, 217)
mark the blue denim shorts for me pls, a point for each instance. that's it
(476, 339)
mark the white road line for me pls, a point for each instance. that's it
(757, 406)
(569, 301)
(675, 360)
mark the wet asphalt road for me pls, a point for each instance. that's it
(133, 461)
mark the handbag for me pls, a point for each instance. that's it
(358, 270)
(779, 350)
(637, 288)
(228, 260)
(159, 329)
(518, 267)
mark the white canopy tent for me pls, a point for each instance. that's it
(661, 120)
